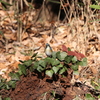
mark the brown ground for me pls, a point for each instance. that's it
(32, 87)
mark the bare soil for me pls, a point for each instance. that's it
(32, 87)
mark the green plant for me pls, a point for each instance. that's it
(58, 64)
(5, 4)
(95, 6)
(51, 66)
(55, 65)
(95, 84)
(89, 97)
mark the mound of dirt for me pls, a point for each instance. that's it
(31, 87)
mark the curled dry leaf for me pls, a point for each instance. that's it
(73, 53)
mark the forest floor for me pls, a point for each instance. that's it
(77, 35)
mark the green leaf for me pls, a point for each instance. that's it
(74, 59)
(36, 64)
(83, 62)
(7, 86)
(59, 66)
(76, 72)
(31, 68)
(84, 59)
(42, 63)
(39, 65)
(40, 69)
(48, 60)
(14, 76)
(68, 59)
(12, 83)
(95, 6)
(22, 69)
(55, 69)
(7, 98)
(74, 67)
(54, 62)
(49, 72)
(51, 61)
(54, 54)
(28, 62)
(89, 97)
(61, 55)
(61, 71)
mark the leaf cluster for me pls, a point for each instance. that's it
(57, 64)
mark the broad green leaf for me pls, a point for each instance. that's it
(74, 67)
(28, 62)
(68, 59)
(55, 69)
(48, 60)
(61, 71)
(36, 64)
(54, 62)
(51, 61)
(12, 83)
(59, 66)
(61, 55)
(83, 62)
(54, 54)
(42, 63)
(31, 68)
(76, 72)
(89, 97)
(78, 62)
(84, 59)
(49, 72)
(58, 54)
(7, 86)
(74, 59)
(22, 69)
(40, 69)
(95, 6)
(14, 76)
